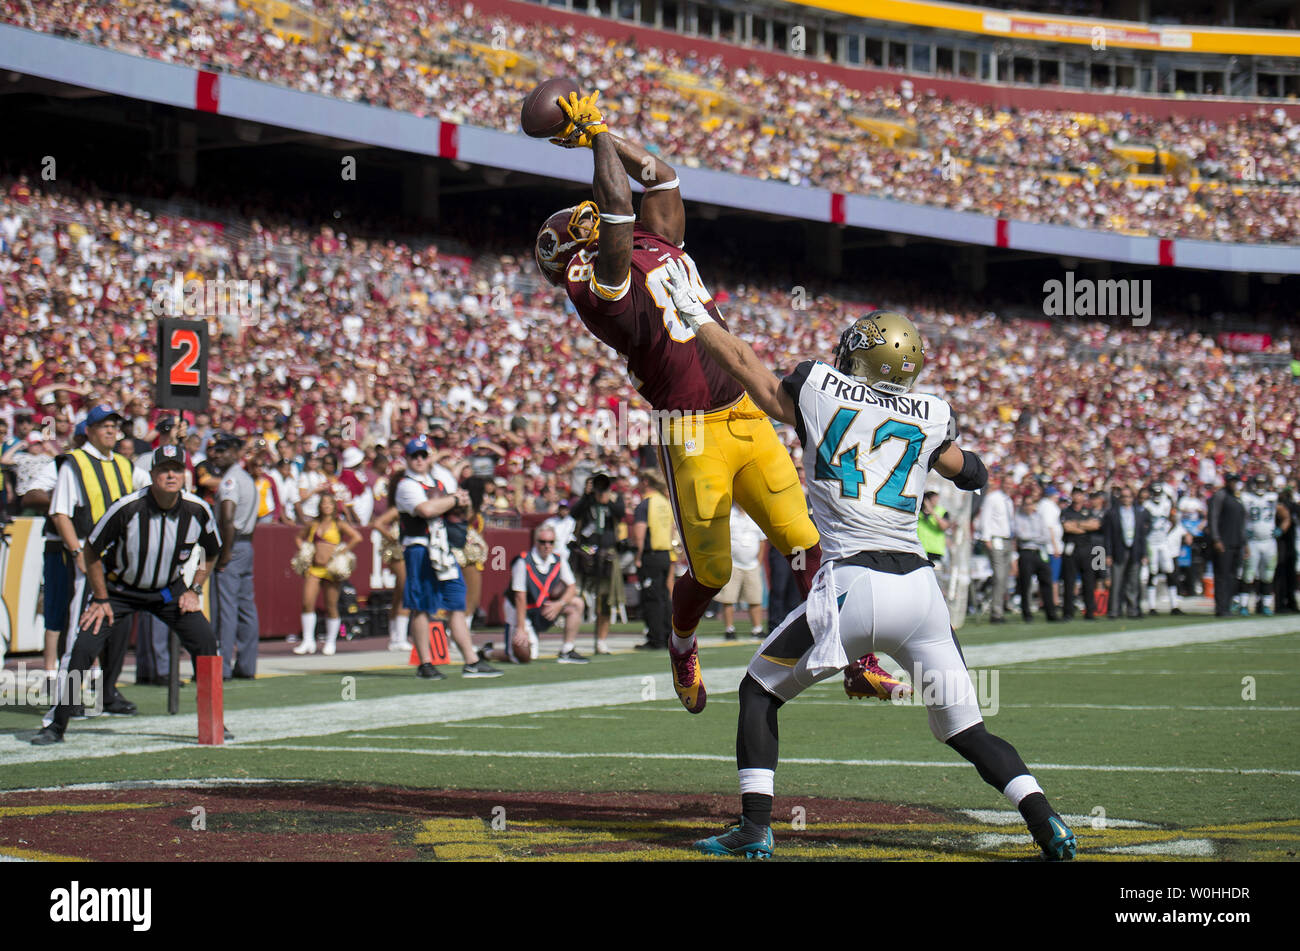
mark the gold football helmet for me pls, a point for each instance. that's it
(561, 237)
(883, 350)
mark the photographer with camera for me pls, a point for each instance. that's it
(594, 553)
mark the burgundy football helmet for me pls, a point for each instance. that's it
(563, 235)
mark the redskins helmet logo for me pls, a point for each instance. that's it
(562, 236)
(548, 242)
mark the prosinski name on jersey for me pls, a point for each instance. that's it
(852, 391)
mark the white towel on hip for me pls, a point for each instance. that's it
(445, 566)
(824, 623)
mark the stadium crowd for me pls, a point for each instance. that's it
(350, 347)
(1215, 181)
(346, 333)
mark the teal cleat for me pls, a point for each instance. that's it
(744, 838)
(1060, 845)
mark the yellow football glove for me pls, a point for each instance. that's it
(585, 121)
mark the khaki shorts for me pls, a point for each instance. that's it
(744, 586)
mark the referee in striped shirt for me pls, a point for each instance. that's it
(135, 561)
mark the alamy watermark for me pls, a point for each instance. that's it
(213, 297)
(1084, 297)
(21, 687)
(938, 687)
(638, 427)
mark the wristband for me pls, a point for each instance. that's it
(613, 219)
(665, 186)
(99, 600)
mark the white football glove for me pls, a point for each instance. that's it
(689, 307)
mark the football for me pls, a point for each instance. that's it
(540, 117)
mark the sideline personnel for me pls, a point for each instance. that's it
(145, 539)
(92, 479)
(237, 606)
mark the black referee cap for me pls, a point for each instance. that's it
(169, 456)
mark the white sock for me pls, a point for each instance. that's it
(309, 628)
(1151, 597)
(683, 644)
(757, 780)
(1173, 596)
(568, 646)
(403, 622)
(332, 630)
(1268, 602)
(392, 630)
(1020, 787)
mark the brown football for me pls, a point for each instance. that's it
(540, 117)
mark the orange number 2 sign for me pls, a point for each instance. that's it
(182, 371)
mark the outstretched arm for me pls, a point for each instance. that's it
(614, 199)
(731, 353)
(739, 359)
(662, 210)
(613, 194)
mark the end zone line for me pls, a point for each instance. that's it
(794, 760)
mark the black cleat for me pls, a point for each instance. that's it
(1055, 839)
(120, 707)
(745, 838)
(429, 672)
(48, 736)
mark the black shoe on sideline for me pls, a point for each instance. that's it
(48, 736)
(429, 672)
(120, 707)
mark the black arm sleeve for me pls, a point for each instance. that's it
(973, 475)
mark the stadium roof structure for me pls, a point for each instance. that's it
(1056, 28)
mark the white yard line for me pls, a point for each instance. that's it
(793, 760)
(123, 736)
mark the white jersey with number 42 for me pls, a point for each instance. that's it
(866, 454)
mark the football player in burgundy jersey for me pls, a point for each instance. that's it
(715, 445)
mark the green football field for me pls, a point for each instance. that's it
(1159, 738)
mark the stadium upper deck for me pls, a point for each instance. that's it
(1182, 176)
(1150, 47)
